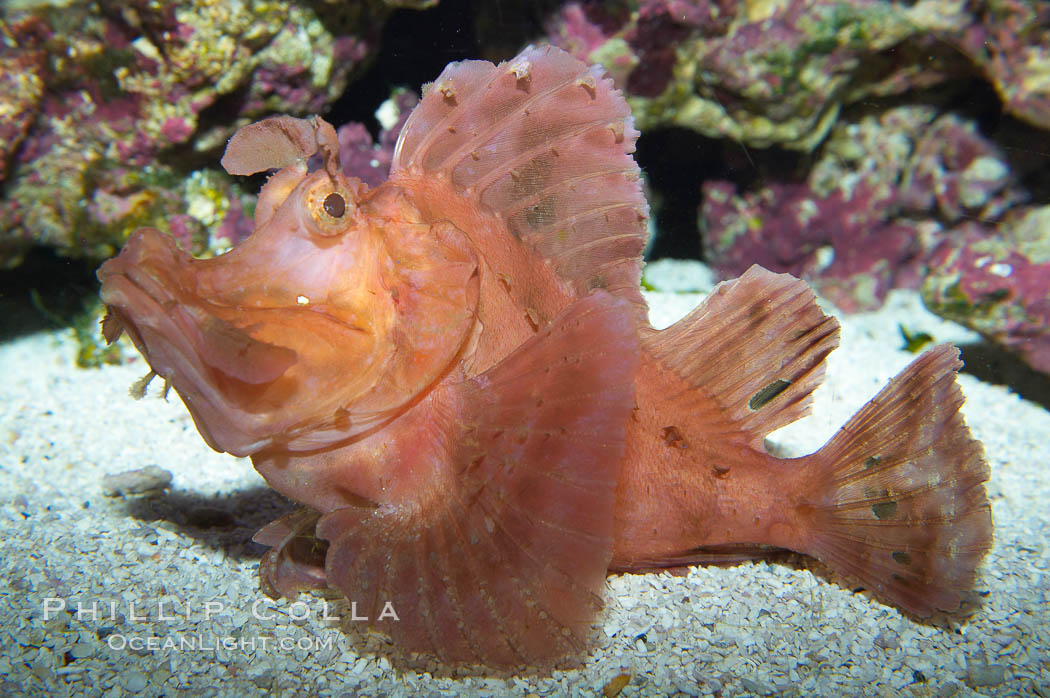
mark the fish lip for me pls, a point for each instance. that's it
(135, 257)
(152, 292)
(137, 287)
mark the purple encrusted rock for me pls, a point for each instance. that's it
(882, 194)
(842, 242)
(760, 73)
(107, 118)
(997, 282)
(1010, 41)
(22, 65)
(369, 161)
(907, 198)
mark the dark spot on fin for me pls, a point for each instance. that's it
(673, 438)
(872, 461)
(902, 558)
(766, 394)
(597, 281)
(539, 214)
(884, 510)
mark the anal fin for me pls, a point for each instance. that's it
(725, 554)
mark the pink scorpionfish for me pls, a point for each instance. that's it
(454, 375)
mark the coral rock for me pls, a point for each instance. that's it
(127, 99)
(1011, 43)
(997, 281)
(884, 192)
(760, 72)
(22, 61)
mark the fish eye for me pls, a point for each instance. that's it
(329, 209)
(335, 205)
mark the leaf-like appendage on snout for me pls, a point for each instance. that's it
(278, 142)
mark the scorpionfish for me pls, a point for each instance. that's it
(454, 375)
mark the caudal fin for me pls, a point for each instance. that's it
(903, 508)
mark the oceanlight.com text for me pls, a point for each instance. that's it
(201, 643)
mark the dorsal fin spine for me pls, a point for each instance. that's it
(560, 186)
(499, 125)
(525, 156)
(439, 128)
(592, 244)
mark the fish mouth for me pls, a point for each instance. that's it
(149, 292)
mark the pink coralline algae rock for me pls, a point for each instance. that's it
(887, 196)
(780, 71)
(759, 72)
(844, 243)
(109, 107)
(22, 62)
(883, 193)
(907, 198)
(367, 160)
(1010, 42)
(997, 282)
(636, 42)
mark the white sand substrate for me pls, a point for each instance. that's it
(166, 583)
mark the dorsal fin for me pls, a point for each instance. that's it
(544, 142)
(756, 346)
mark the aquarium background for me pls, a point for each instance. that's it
(896, 155)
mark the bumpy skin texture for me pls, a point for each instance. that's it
(454, 374)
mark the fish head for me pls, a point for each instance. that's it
(335, 314)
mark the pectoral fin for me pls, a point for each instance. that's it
(503, 562)
(295, 560)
